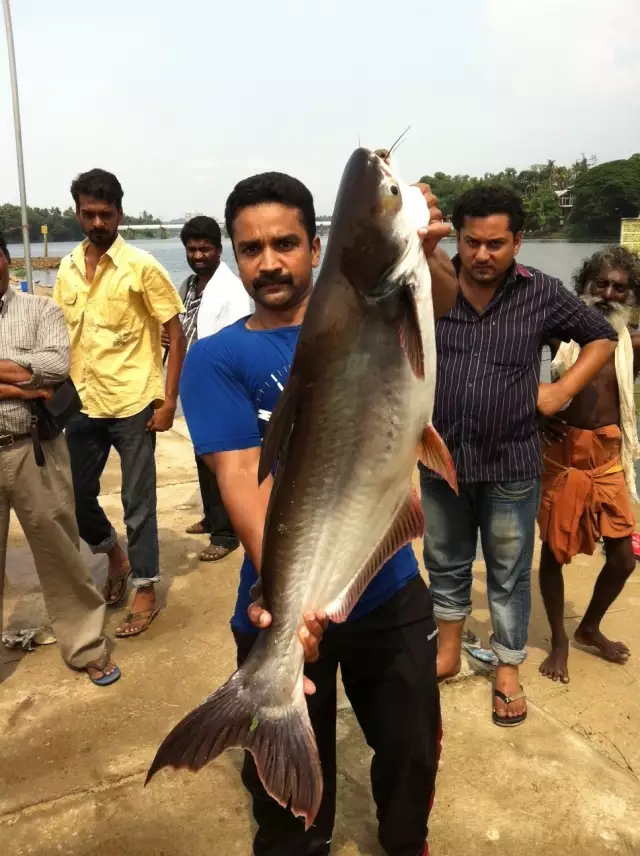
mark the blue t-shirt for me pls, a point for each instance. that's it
(229, 387)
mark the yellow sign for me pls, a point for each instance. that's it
(44, 230)
(630, 234)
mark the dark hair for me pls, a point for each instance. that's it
(614, 256)
(3, 248)
(201, 228)
(98, 184)
(487, 200)
(271, 187)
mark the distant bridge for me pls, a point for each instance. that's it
(323, 224)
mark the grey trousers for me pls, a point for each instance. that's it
(42, 498)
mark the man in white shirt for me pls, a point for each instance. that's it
(213, 298)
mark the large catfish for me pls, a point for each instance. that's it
(354, 416)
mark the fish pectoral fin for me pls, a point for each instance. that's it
(407, 525)
(278, 430)
(434, 454)
(409, 333)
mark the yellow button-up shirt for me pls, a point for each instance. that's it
(114, 325)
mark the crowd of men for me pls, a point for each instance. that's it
(560, 454)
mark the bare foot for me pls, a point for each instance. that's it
(448, 664)
(614, 652)
(141, 614)
(449, 660)
(556, 665)
(508, 682)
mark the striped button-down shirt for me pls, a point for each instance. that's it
(489, 371)
(189, 317)
(33, 335)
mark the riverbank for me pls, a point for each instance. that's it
(37, 263)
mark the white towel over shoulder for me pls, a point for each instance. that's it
(566, 357)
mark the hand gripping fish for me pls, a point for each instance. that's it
(354, 416)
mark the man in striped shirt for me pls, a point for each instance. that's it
(488, 390)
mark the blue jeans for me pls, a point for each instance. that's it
(90, 441)
(505, 514)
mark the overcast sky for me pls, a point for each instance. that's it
(182, 98)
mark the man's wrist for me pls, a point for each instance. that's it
(34, 382)
(563, 396)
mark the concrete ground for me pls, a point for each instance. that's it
(73, 756)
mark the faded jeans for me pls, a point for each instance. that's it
(90, 441)
(505, 515)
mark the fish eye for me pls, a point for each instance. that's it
(394, 189)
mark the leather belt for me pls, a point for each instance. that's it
(8, 440)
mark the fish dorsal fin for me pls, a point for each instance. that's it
(409, 332)
(408, 524)
(278, 430)
(434, 454)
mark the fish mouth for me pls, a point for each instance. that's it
(382, 156)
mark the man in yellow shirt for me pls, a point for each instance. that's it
(116, 299)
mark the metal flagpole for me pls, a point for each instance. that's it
(16, 122)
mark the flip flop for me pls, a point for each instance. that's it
(113, 582)
(148, 614)
(105, 680)
(509, 721)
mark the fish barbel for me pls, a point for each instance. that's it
(354, 416)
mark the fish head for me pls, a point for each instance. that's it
(375, 223)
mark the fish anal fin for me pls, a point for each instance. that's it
(410, 335)
(434, 454)
(408, 524)
(278, 430)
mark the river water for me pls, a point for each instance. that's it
(557, 258)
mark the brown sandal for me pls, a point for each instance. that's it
(214, 553)
(117, 584)
(147, 614)
(197, 529)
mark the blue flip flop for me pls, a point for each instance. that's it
(105, 680)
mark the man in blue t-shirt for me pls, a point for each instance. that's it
(387, 648)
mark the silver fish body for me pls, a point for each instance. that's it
(354, 416)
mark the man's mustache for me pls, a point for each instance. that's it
(272, 279)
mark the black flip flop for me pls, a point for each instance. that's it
(509, 721)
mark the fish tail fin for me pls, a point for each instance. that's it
(280, 738)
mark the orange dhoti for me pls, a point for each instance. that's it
(584, 493)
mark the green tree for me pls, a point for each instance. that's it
(542, 210)
(62, 225)
(603, 195)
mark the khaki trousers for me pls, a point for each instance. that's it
(42, 498)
